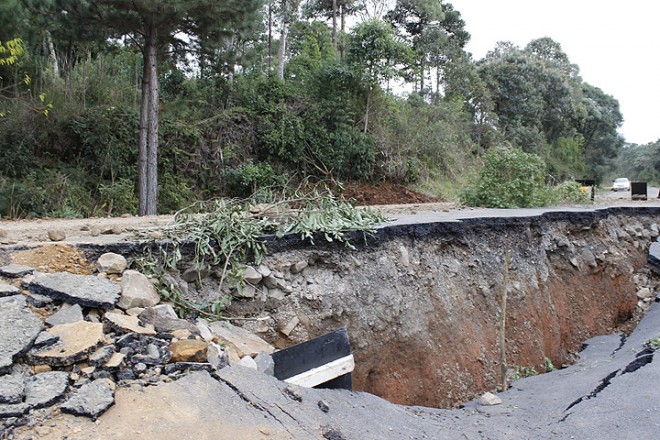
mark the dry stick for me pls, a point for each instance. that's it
(503, 320)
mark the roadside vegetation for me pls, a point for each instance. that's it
(270, 93)
(225, 234)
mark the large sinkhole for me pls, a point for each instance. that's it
(422, 302)
(423, 306)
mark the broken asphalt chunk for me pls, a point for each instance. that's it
(91, 400)
(19, 327)
(77, 340)
(88, 291)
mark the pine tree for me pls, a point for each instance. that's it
(158, 26)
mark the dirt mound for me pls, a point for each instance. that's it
(54, 258)
(385, 193)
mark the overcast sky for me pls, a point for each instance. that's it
(616, 44)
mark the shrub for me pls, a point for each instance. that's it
(510, 178)
(119, 197)
(246, 179)
(48, 193)
(568, 192)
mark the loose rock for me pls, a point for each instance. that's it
(12, 388)
(644, 293)
(115, 360)
(125, 323)
(8, 290)
(252, 276)
(45, 339)
(77, 340)
(293, 393)
(101, 356)
(489, 399)
(248, 362)
(216, 357)
(204, 331)
(66, 315)
(188, 350)
(287, 328)
(16, 270)
(111, 263)
(39, 301)
(44, 389)
(137, 291)
(265, 364)
(195, 273)
(299, 266)
(165, 320)
(245, 343)
(56, 235)
(16, 410)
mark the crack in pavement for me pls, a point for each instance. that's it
(642, 358)
(242, 395)
(254, 404)
(603, 384)
(621, 343)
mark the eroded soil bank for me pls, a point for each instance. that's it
(422, 302)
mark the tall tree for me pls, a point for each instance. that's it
(435, 31)
(288, 15)
(379, 54)
(602, 142)
(536, 102)
(156, 26)
(414, 20)
(333, 10)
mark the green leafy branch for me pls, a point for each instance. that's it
(229, 233)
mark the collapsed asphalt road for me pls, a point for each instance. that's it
(610, 393)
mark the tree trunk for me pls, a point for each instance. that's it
(148, 136)
(334, 24)
(143, 137)
(152, 150)
(342, 17)
(270, 37)
(421, 77)
(53, 55)
(282, 50)
(366, 113)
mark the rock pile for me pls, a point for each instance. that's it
(69, 340)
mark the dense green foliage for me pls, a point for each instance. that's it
(512, 178)
(394, 97)
(639, 163)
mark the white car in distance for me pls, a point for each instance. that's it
(621, 184)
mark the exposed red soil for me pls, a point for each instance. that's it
(385, 193)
